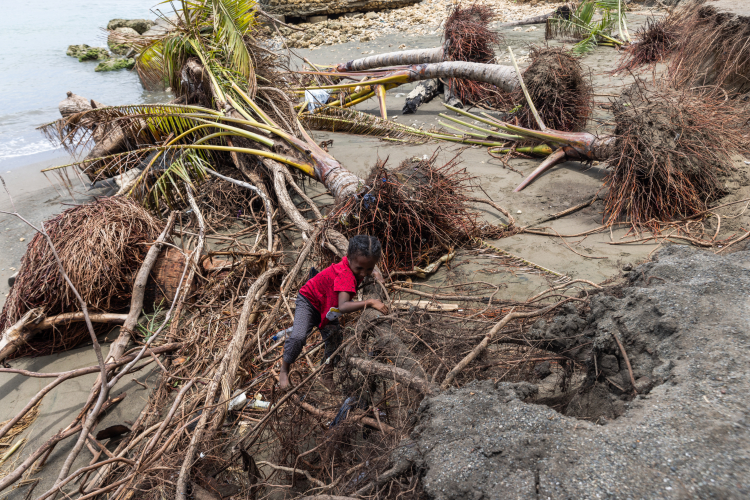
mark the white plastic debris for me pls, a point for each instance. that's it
(238, 403)
(259, 403)
(316, 98)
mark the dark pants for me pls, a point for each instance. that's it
(306, 317)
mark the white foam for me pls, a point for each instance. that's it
(19, 146)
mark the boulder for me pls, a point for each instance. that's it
(76, 50)
(93, 54)
(116, 23)
(307, 8)
(115, 64)
(116, 38)
(139, 25)
(162, 26)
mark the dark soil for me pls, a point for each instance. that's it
(683, 322)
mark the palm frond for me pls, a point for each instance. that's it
(159, 61)
(185, 168)
(351, 121)
(232, 19)
(583, 26)
(160, 120)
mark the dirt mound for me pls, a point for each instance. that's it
(687, 438)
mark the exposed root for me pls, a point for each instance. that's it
(101, 245)
(656, 41)
(670, 152)
(469, 38)
(419, 211)
(557, 86)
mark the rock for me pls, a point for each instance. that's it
(371, 15)
(94, 54)
(306, 8)
(317, 19)
(115, 43)
(644, 385)
(609, 365)
(115, 64)
(76, 50)
(543, 370)
(116, 23)
(139, 25)
(162, 26)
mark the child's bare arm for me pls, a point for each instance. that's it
(346, 305)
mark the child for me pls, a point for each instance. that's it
(325, 297)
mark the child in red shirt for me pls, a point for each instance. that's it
(325, 297)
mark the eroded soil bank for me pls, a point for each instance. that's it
(683, 320)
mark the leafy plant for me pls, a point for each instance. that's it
(590, 29)
(152, 322)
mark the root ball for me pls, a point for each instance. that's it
(670, 152)
(559, 90)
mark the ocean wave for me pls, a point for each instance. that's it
(20, 146)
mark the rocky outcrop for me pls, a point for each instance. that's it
(306, 8)
(139, 25)
(115, 64)
(117, 40)
(85, 53)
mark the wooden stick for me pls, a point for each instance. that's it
(393, 373)
(486, 340)
(228, 365)
(139, 290)
(51, 442)
(542, 127)
(330, 415)
(61, 377)
(627, 361)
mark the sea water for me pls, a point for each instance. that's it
(35, 73)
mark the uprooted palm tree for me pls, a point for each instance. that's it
(667, 156)
(209, 60)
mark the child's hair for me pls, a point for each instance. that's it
(367, 246)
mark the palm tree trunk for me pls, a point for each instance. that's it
(400, 58)
(504, 77)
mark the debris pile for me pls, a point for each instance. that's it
(201, 252)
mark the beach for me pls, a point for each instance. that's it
(573, 249)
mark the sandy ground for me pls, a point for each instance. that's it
(567, 185)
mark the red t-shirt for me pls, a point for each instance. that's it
(323, 290)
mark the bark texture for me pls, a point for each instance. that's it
(400, 58)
